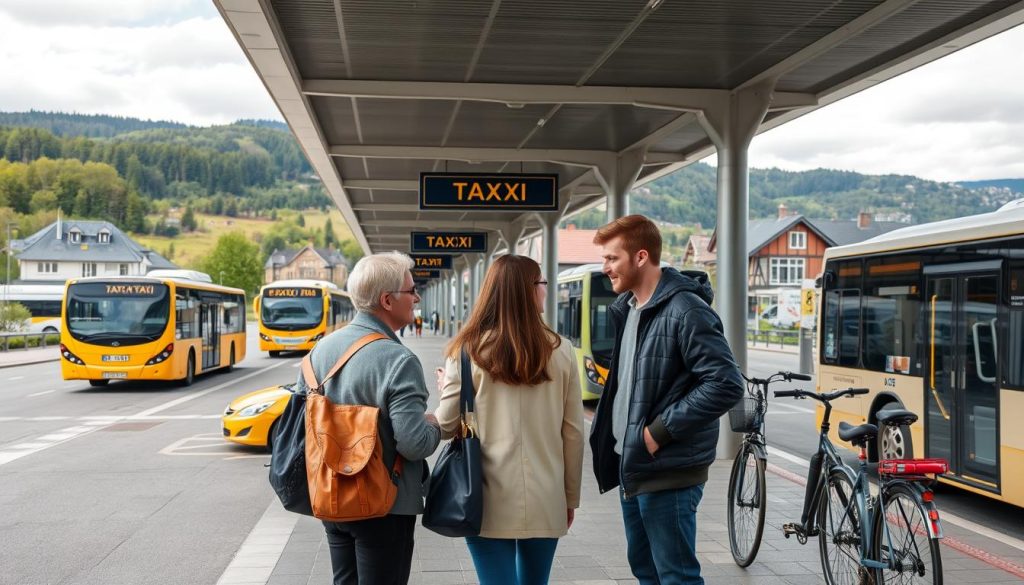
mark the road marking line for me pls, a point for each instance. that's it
(202, 393)
(946, 516)
(17, 378)
(298, 364)
(256, 558)
(45, 442)
(41, 393)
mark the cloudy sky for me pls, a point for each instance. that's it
(959, 118)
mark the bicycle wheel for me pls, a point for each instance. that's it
(906, 541)
(839, 535)
(746, 505)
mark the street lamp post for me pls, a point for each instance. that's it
(7, 275)
(222, 277)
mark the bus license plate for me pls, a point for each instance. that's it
(115, 358)
(115, 375)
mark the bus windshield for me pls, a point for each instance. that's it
(291, 309)
(602, 334)
(116, 314)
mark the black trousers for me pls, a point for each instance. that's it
(372, 552)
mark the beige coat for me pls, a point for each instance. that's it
(532, 445)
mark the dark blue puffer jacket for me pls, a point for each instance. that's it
(685, 379)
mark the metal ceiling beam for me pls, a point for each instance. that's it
(382, 184)
(516, 95)
(855, 27)
(428, 224)
(583, 158)
(412, 206)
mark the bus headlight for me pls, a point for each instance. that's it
(163, 355)
(317, 337)
(592, 374)
(70, 356)
(264, 337)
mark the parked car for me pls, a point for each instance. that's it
(787, 316)
(249, 419)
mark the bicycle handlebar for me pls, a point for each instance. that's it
(821, 397)
(778, 377)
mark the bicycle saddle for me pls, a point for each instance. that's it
(858, 435)
(896, 417)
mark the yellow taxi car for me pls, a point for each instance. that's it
(249, 418)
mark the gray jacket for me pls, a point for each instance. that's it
(388, 375)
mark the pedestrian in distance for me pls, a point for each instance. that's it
(419, 325)
(672, 377)
(388, 375)
(529, 418)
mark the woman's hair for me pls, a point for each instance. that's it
(374, 275)
(505, 334)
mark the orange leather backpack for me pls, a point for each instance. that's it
(345, 468)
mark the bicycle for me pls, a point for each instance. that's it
(747, 480)
(865, 539)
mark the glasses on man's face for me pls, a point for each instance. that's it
(411, 291)
(543, 282)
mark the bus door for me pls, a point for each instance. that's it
(210, 326)
(961, 373)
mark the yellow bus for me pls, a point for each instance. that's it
(295, 314)
(42, 301)
(931, 319)
(167, 325)
(584, 294)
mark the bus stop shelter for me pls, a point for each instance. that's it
(607, 94)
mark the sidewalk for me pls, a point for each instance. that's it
(23, 357)
(595, 550)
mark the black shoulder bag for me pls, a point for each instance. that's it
(455, 497)
(288, 457)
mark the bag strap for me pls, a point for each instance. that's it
(467, 398)
(307, 364)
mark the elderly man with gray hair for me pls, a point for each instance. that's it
(388, 375)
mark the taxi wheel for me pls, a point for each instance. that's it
(98, 383)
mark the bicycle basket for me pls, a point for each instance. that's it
(747, 415)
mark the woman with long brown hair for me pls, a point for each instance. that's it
(529, 417)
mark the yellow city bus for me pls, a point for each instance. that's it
(584, 294)
(167, 325)
(931, 319)
(295, 314)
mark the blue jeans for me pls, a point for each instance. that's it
(508, 561)
(661, 536)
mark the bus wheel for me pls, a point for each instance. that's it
(894, 442)
(98, 383)
(190, 370)
(231, 360)
(275, 354)
(53, 331)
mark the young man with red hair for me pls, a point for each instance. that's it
(672, 377)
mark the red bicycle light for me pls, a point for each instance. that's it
(928, 497)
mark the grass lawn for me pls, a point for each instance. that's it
(191, 247)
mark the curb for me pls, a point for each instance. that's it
(39, 360)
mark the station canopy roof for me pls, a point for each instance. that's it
(379, 91)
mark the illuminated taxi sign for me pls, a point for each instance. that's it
(432, 261)
(494, 191)
(419, 274)
(292, 292)
(131, 290)
(448, 242)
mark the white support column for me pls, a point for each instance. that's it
(446, 304)
(618, 177)
(460, 291)
(731, 128)
(549, 267)
(476, 278)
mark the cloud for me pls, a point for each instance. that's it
(189, 70)
(958, 118)
(104, 12)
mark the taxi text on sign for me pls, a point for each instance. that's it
(489, 191)
(447, 242)
(432, 261)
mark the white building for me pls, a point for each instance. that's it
(77, 248)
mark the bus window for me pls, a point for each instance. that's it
(233, 314)
(132, 317)
(602, 334)
(1013, 368)
(891, 304)
(841, 324)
